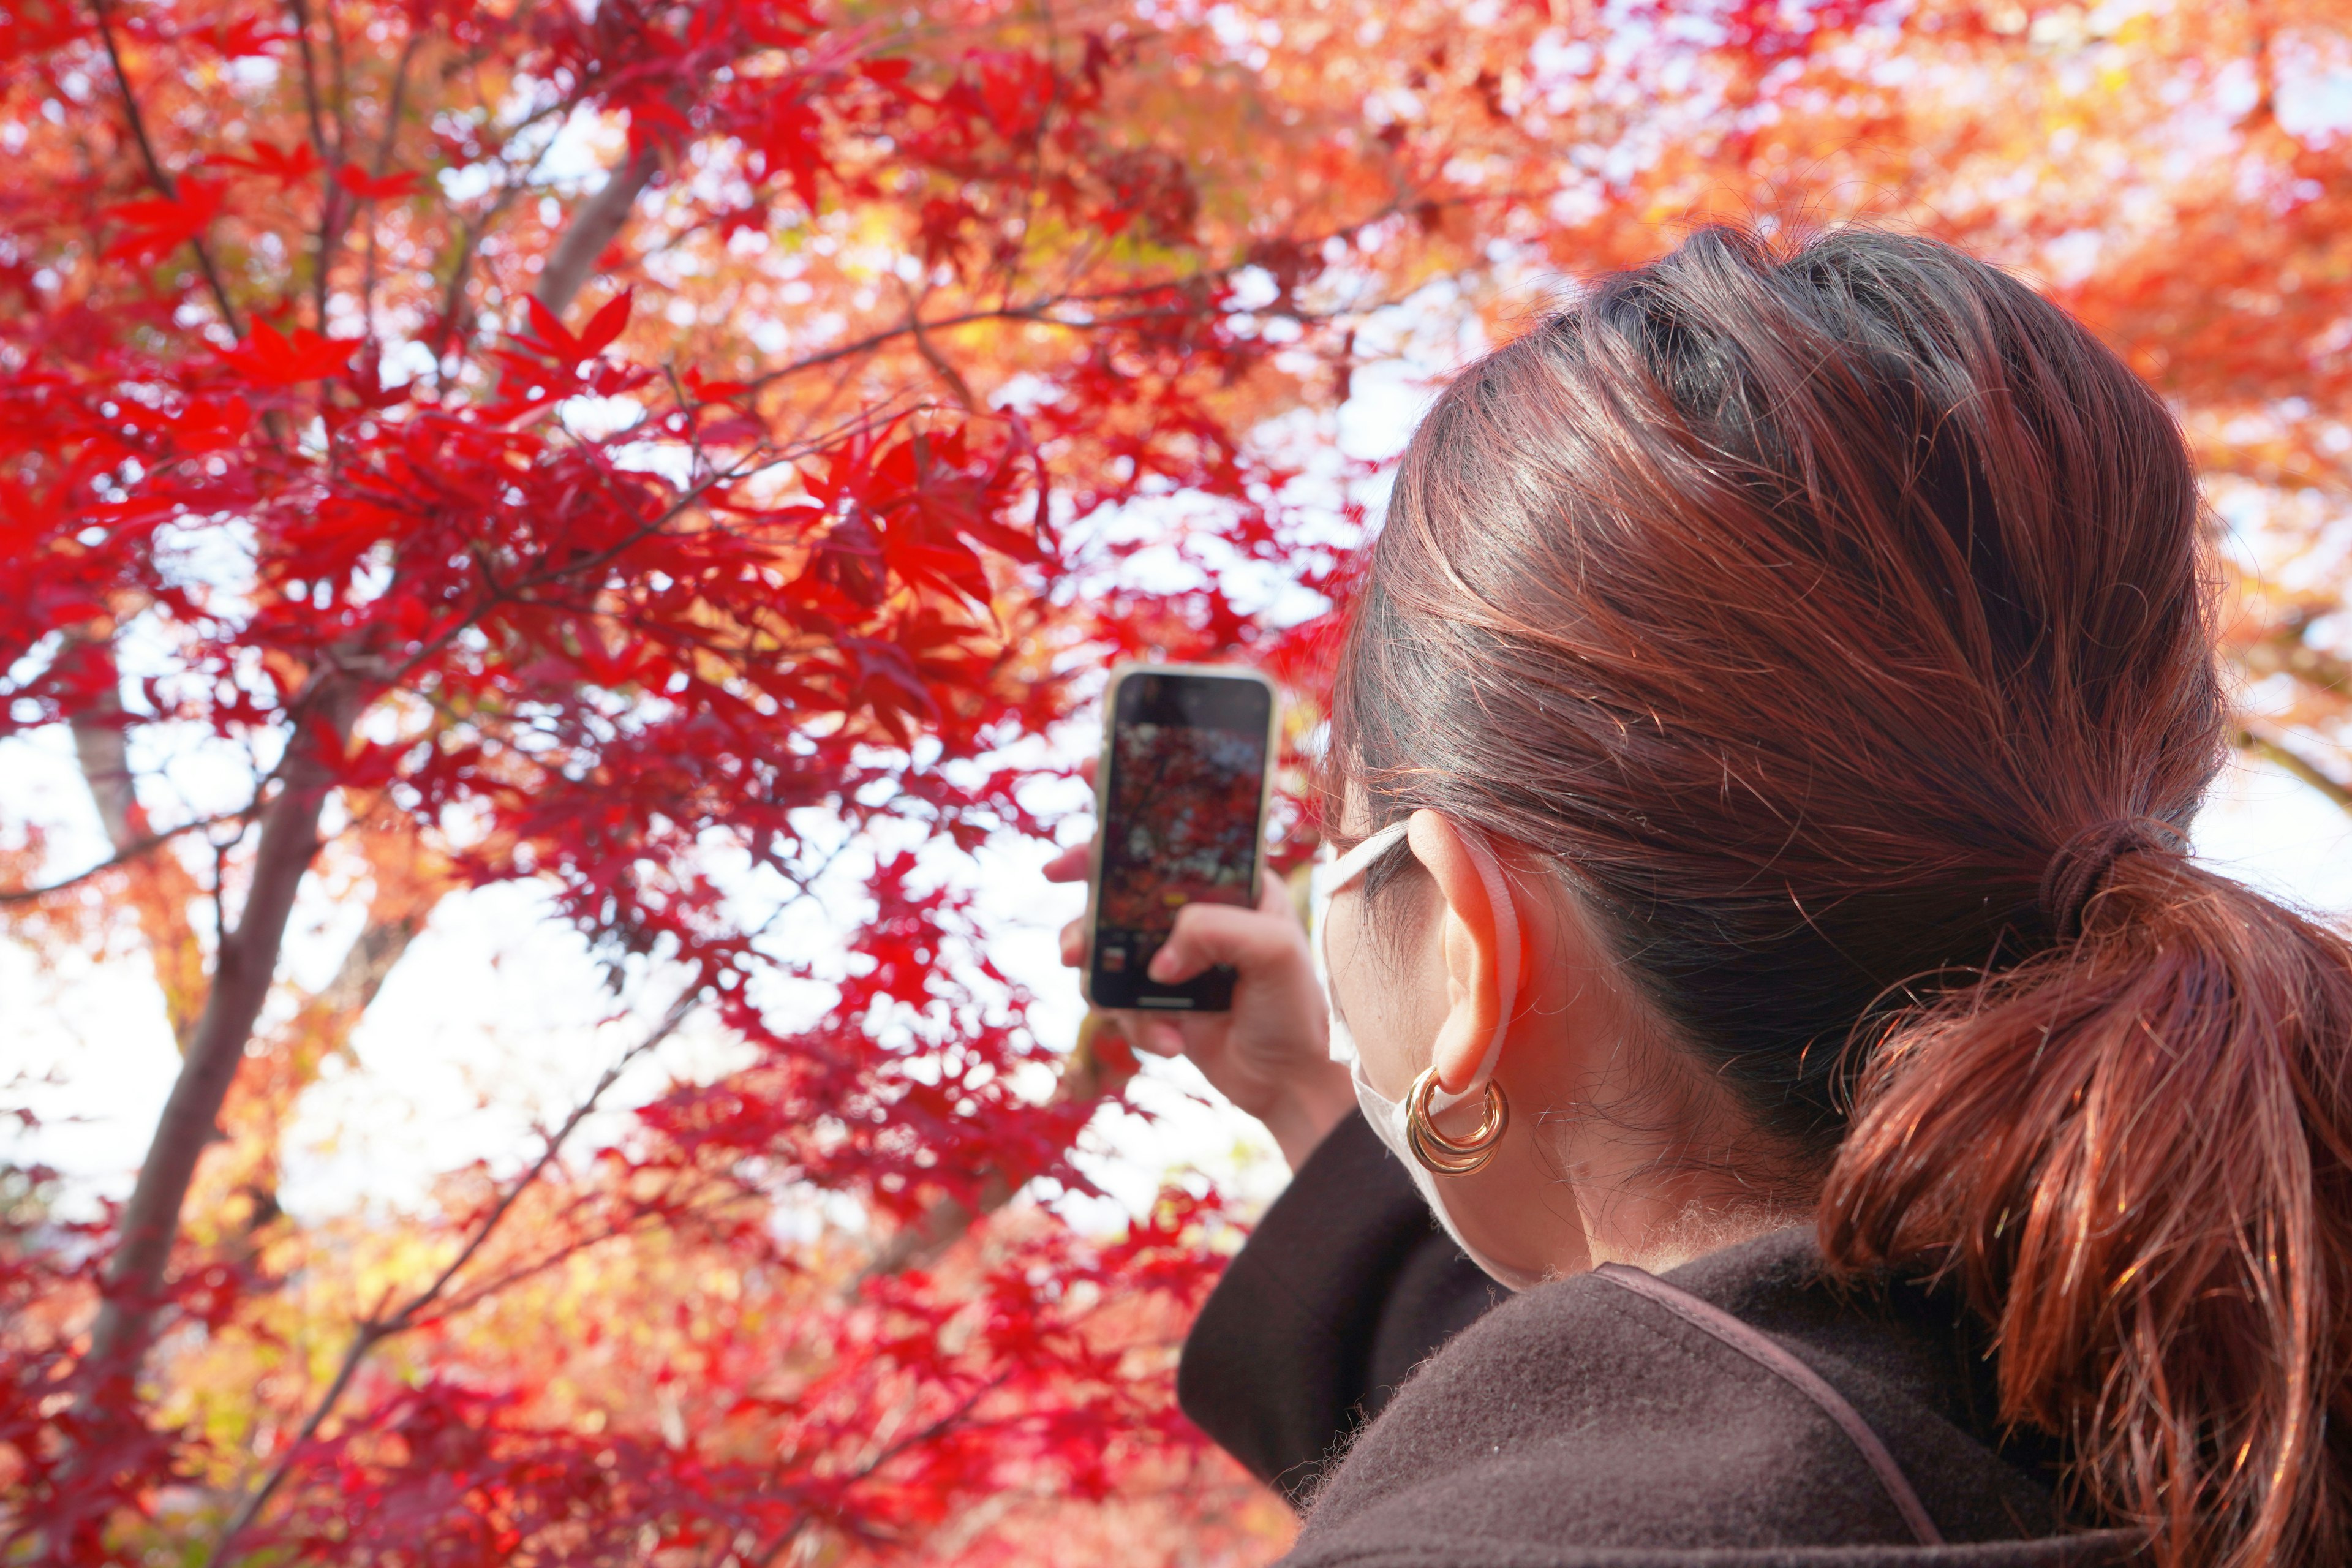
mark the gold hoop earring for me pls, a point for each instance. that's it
(1453, 1156)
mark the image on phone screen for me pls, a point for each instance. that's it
(1182, 798)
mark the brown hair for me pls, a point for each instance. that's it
(1837, 617)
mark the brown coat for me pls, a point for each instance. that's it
(1587, 1423)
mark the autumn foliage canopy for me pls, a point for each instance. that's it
(667, 453)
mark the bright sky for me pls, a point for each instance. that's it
(495, 1019)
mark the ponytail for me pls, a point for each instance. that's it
(2134, 1152)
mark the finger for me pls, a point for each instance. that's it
(1072, 864)
(1274, 898)
(1146, 1033)
(1073, 943)
(1208, 934)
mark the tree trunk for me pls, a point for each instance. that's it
(246, 962)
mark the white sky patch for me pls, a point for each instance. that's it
(2313, 90)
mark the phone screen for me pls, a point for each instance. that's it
(1183, 794)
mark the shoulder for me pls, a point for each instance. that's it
(1584, 1421)
(1344, 1287)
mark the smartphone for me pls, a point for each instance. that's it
(1181, 796)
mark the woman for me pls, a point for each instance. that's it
(1768, 729)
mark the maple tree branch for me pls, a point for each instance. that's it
(156, 175)
(123, 856)
(938, 362)
(593, 225)
(399, 102)
(382, 163)
(342, 105)
(330, 215)
(104, 759)
(467, 1300)
(1037, 312)
(517, 18)
(554, 1144)
(309, 79)
(378, 1327)
(324, 1019)
(453, 293)
(945, 1423)
(593, 228)
(369, 962)
(2258, 739)
(1040, 311)
(2287, 654)
(501, 594)
(470, 233)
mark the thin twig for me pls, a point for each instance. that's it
(470, 233)
(590, 563)
(383, 162)
(156, 173)
(930, 352)
(309, 78)
(377, 1327)
(946, 1422)
(124, 855)
(331, 201)
(342, 106)
(1040, 311)
(463, 1301)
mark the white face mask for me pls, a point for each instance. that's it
(1388, 1117)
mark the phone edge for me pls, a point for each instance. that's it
(1119, 674)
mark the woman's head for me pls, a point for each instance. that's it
(1801, 612)
(1803, 607)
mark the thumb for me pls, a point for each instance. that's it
(1246, 940)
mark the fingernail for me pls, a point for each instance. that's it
(1161, 965)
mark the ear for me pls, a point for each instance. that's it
(1470, 942)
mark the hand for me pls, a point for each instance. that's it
(1270, 1055)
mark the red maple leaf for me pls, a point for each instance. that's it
(275, 163)
(792, 144)
(159, 225)
(1014, 90)
(551, 340)
(206, 425)
(713, 391)
(246, 36)
(377, 187)
(269, 359)
(27, 31)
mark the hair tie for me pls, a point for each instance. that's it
(2082, 864)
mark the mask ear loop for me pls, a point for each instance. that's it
(1332, 880)
(1354, 863)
